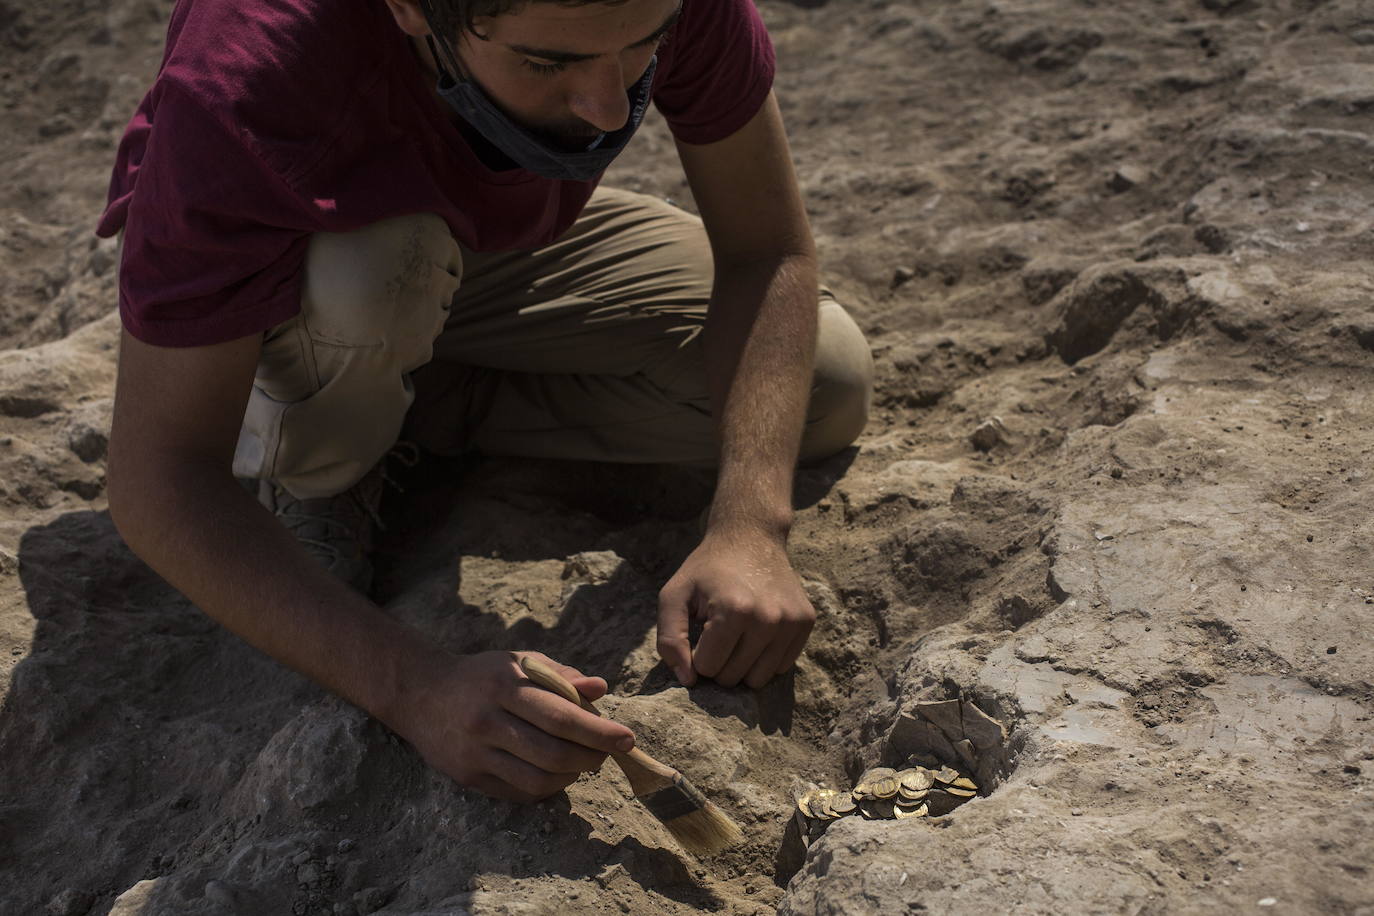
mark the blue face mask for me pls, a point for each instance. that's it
(526, 149)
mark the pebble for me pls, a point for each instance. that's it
(218, 892)
(369, 899)
(1126, 177)
(1077, 812)
(346, 845)
(990, 433)
(69, 902)
(100, 261)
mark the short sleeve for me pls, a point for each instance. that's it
(214, 240)
(722, 70)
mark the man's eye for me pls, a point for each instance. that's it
(543, 68)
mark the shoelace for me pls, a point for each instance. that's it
(405, 452)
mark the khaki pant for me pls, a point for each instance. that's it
(589, 348)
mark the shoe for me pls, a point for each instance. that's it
(338, 531)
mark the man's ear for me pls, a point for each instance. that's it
(408, 16)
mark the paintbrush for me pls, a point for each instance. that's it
(693, 820)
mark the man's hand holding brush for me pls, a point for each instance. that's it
(479, 720)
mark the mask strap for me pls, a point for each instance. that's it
(446, 60)
(445, 78)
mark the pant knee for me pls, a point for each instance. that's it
(842, 389)
(387, 283)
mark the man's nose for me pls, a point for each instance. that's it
(599, 97)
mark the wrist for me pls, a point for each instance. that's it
(754, 497)
(772, 524)
(407, 666)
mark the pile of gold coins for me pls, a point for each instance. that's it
(884, 793)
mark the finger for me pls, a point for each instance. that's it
(537, 747)
(523, 781)
(498, 788)
(794, 651)
(769, 663)
(674, 646)
(753, 642)
(555, 717)
(717, 643)
(593, 688)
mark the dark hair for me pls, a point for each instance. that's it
(449, 18)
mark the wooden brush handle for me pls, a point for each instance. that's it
(644, 772)
(551, 680)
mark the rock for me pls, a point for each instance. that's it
(312, 760)
(989, 434)
(922, 484)
(1213, 238)
(1027, 185)
(88, 444)
(1099, 302)
(901, 275)
(104, 255)
(370, 899)
(983, 730)
(222, 893)
(137, 900)
(69, 902)
(1126, 177)
(1041, 281)
(593, 565)
(947, 715)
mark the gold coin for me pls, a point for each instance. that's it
(875, 809)
(947, 775)
(916, 779)
(824, 803)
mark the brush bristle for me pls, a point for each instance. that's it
(704, 832)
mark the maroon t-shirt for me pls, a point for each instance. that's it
(270, 121)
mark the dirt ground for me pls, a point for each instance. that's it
(1138, 234)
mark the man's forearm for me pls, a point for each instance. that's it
(760, 342)
(209, 539)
